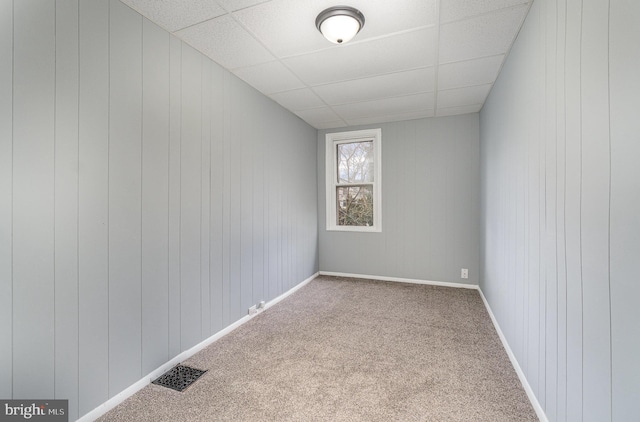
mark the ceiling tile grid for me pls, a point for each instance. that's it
(419, 114)
(298, 99)
(485, 35)
(412, 58)
(368, 58)
(452, 111)
(270, 77)
(233, 5)
(453, 10)
(376, 108)
(469, 72)
(463, 96)
(287, 27)
(177, 14)
(233, 46)
(318, 116)
(377, 87)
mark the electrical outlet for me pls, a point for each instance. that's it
(464, 273)
(253, 310)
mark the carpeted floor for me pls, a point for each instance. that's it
(350, 350)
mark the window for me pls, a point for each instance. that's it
(353, 181)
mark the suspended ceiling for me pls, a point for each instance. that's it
(412, 59)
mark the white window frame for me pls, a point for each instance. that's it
(331, 171)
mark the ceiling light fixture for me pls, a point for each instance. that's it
(339, 24)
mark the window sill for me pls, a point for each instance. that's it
(355, 229)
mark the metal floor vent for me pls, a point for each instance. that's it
(179, 377)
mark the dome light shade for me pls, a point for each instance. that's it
(340, 24)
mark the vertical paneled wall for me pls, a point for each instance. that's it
(430, 204)
(147, 199)
(6, 195)
(560, 140)
(33, 204)
(624, 233)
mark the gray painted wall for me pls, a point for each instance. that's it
(430, 204)
(147, 199)
(561, 204)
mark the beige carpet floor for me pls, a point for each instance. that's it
(350, 350)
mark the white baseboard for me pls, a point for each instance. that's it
(139, 385)
(402, 280)
(290, 291)
(523, 379)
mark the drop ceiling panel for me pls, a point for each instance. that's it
(420, 114)
(452, 111)
(287, 27)
(377, 87)
(233, 5)
(318, 115)
(453, 10)
(269, 77)
(397, 105)
(469, 72)
(176, 14)
(298, 99)
(233, 46)
(409, 53)
(463, 96)
(331, 125)
(482, 36)
(358, 60)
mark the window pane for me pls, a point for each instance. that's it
(355, 162)
(355, 205)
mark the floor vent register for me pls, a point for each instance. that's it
(179, 377)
